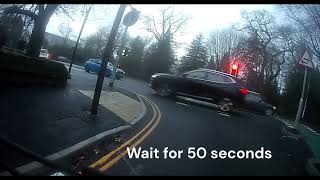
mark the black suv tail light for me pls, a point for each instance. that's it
(244, 91)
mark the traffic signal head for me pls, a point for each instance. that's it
(234, 67)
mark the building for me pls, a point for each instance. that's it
(52, 39)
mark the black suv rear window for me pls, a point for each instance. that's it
(239, 82)
(218, 78)
(197, 75)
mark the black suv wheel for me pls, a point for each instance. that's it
(268, 112)
(163, 90)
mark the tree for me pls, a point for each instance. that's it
(12, 27)
(169, 24)
(40, 15)
(159, 58)
(161, 55)
(132, 61)
(264, 42)
(306, 18)
(219, 43)
(95, 43)
(196, 56)
(304, 30)
(65, 30)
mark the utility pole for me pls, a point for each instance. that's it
(76, 46)
(106, 56)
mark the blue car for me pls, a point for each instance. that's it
(93, 65)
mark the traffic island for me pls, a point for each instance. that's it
(55, 123)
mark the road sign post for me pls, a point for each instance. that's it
(129, 20)
(306, 101)
(307, 63)
(298, 115)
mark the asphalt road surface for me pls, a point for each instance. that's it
(183, 125)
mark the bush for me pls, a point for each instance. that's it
(21, 69)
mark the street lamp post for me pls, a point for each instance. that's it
(129, 20)
(76, 46)
(106, 56)
(116, 60)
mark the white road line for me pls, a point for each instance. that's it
(183, 104)
(312, 130)
(287, 123)
(224, 114)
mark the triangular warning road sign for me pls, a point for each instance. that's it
(306, 60)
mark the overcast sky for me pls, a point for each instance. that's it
(204, 18)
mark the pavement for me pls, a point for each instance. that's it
(56, 122)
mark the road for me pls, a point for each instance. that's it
(184, 125)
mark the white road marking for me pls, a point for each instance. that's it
(312, 130)
(183, 104)
(286, 123)
(224, 114)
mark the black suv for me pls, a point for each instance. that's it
(202, 84)
(256, 102)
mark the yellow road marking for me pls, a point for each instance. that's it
(106, 157)
(116, 159)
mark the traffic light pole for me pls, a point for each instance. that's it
(115, 65)
(106, 56)
(298, 115)
(76, 46)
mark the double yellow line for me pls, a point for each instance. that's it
(106, 161)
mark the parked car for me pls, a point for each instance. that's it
(93, 65)
(63, 59)
(202, 84)
(44, 54)
(256, 102)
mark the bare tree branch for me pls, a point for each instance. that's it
(17, 10)
(170, 23)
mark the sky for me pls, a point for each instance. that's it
(204, 19)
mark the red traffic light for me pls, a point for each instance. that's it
(234, 67)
